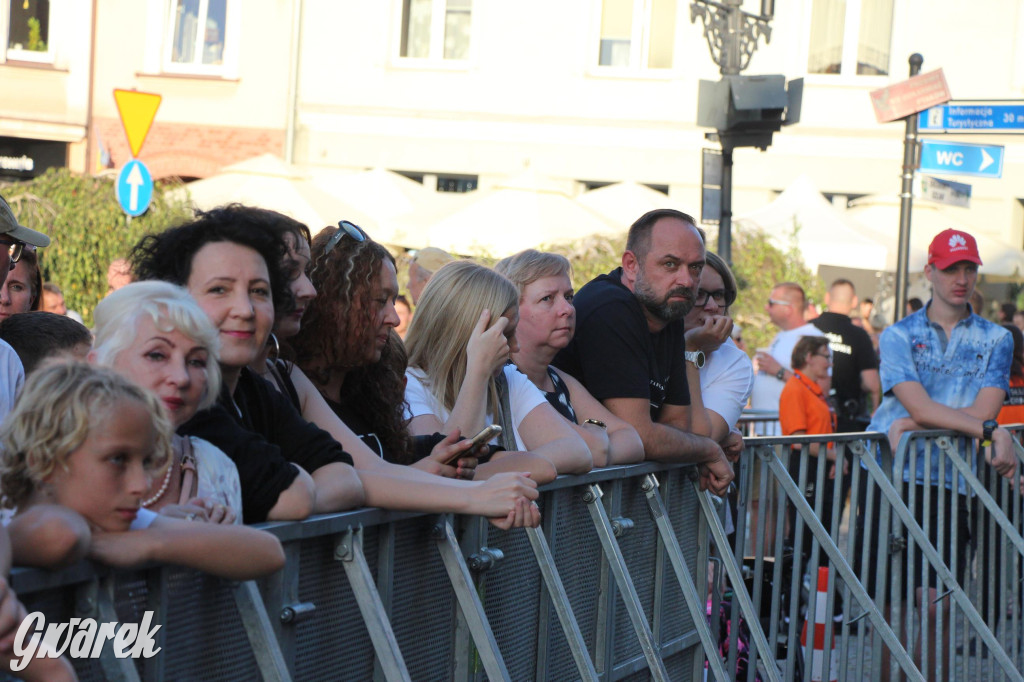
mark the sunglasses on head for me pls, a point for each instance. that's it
(345, 228)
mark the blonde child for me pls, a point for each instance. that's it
(80, 449)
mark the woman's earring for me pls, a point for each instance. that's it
(275, 347)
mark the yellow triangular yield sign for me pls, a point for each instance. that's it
(137, 110)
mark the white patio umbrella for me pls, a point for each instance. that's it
(268, 182)
(383, 194)
(880, 216)
(523, 212)
(624, 202)
(824, 235)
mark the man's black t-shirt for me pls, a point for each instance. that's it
(615, 355)
(852, 353)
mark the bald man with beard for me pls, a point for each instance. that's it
(629, 347)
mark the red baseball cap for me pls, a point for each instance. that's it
(952, 246)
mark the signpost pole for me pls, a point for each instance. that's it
(725, 221)
(906, 201)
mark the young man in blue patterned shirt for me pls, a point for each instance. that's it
(944, 367)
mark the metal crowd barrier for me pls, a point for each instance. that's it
(872, 540)
(610, 587)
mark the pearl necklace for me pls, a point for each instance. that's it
(163, 488)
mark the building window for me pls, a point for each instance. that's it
(436, 29)
(456, 183)
(850, 37)
(28, 31)
(197, 30)
(637, 34)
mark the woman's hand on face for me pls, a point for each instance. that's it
(487, 350)
(710, 335)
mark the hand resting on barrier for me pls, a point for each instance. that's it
(200, 509)
(1000, 455)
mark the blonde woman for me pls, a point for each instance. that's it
(547, 321)
(459, 342)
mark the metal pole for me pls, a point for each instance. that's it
(725, 220)
(906, 201)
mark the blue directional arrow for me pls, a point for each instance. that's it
(134, 188)
(960, 158)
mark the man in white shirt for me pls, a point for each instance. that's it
(785, 307)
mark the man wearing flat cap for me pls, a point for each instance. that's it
(13, 238)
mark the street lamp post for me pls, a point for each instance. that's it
(732, 37)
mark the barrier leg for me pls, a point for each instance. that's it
(469, 601)
(560, 600)
(349, 551)
(260, 633)
(625, 583)
(95, 599)
(675, 552)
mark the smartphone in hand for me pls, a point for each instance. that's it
(479, 439)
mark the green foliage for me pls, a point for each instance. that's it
(757, 264)
(87, 229)
(35, 41)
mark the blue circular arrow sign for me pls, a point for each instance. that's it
(134, 188)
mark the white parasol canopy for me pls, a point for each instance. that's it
(880, 217)
(824, 235)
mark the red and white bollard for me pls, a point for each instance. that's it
(821, 630)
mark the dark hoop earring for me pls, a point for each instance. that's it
(275, 347)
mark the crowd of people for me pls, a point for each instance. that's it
(241, 370)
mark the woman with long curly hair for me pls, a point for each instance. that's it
(346, 346)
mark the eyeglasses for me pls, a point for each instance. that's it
(775, 301)
(723, 297)
(345, 228)
(14, 251)
(827, 356)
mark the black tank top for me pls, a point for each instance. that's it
(559, 398)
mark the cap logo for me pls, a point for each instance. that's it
(957, 243)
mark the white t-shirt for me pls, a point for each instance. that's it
(523, 397)
(767, 388)
(12, 378)
(726, 381)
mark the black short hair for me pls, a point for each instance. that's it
(36, 336)
(168, 255)
(639, 239)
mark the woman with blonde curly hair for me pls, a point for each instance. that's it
(459, 342)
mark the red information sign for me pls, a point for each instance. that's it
(911, 96)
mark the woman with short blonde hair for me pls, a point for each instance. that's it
(547, 322)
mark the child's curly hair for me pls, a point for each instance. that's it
(58, 407)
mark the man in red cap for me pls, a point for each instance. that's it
(944, 367)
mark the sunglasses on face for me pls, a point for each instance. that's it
(345, 228)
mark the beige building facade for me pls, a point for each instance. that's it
(597, 91)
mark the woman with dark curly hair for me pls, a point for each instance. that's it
(234, 271)
(506, 499)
